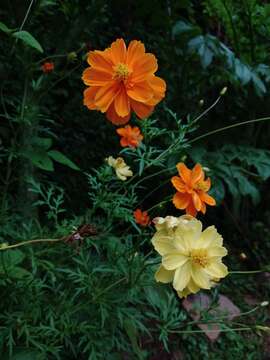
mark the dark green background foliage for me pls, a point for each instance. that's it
(100, 302)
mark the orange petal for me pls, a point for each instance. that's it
(135, 52)
(114, 118)
(207, 184)
(89, 97)
(105, 96)
(118, 51)
(96, 77)
(178, 184)
(184, 172)
(197, 174)
(141, 110)
(190, 210)
(121, 103)
(203, 208)
(209, 200)
(100, 60)
(145, 66)
(181, 201)
(196, 201)
(140, 92)
(159, 87)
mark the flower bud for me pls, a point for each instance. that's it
(223, 91)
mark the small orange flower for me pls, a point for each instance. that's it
(47, 67)
(141, 217)
(122, 80)
(130, 136)
(192, 189)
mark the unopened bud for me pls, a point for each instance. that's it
(263, 328)
(223, 91)
(183, 158)
(72, 56)
(4, 245)
(243, 256)
(264, 303)
(205, 168)
(201, 102)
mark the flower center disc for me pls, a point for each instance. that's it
(199, 257)
(121, 72)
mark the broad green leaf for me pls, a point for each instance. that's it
(4, 28)
(21, 353)
(44, 143)
(12, 257)
(132, 334)
(39, 158)
(62, 159)
(28, 39)
(258, 84)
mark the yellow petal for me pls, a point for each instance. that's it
(163, 275)
(182, 276)
(217, 251)
(200, 277)
(163, 243)
(217, 270)
(174, 260)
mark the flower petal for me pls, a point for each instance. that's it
(106, 95)
(135, 52)
(95, 77)
(181, 201)
(143, 67)
(182, 276)
(190, 210)
(197, 174)
(121, 103)
(141, 110)
(114, 118)
(118, 51)
(89, 97)
(163, 275)
(200, 277)
(163, 243)
(100, 60)
(184, 172)
(209, 200)
(141, 92)
(217, 270)
(173, 260)
(178, 184)
(217, 251)
(196, 201)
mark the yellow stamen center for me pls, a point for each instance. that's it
(121, 72)
(201, 185)
(199, 257)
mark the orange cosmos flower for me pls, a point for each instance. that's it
(141, 217)
(47, 67)
(122, 80)
(130, 136)
(192, 189)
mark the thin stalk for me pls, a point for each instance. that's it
(29, 242)
(228, 127)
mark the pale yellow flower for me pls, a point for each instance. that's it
(122, 170)
(191, 258)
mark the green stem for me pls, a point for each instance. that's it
(29, 242)
(247, 272)
(204, 331)
(228, 127)
(109, 287)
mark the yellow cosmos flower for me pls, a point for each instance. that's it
(122, 170)
(191, 258)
